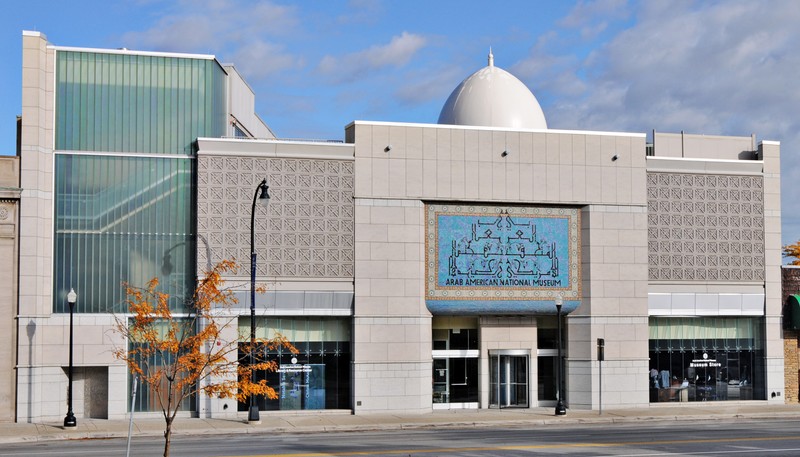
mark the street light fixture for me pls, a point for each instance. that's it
(261, 195)
(69, 420)
(561, 410)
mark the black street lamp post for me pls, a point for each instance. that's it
(262, 195)
(69, 420)
(560, 408)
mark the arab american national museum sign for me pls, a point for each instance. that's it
(501, 259)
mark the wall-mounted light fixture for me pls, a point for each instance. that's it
(504, 153)
(387, 148)
(614, 158)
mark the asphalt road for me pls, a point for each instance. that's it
(712, 438)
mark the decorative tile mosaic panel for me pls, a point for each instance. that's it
(506, 253)
(307, 229)
(705, 227)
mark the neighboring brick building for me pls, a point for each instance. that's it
(790, 276)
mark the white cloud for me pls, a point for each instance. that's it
(428, 85)
(552, 73)
(701, 67)
(592, 17)
(362, 12)
(235, 31)
(397, 53)
(259, 59)
(711, 64)
(200, 26)
(190, 33)
(264, 19)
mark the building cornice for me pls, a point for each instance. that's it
(10, 194)
(275, 148)
(496, 129)
(706, 166)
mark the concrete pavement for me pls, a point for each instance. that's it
(329, 421)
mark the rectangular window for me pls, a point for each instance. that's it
(122, 219)
(464, 339)
(318, 377)
(148, 398)
(137, 103)
(706, 359)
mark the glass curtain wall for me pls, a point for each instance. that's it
(126, 126)
(318, 377)
(125, 129)
(706, 359)
(137, 103)
(122, 219)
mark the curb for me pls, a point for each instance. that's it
(410, 425)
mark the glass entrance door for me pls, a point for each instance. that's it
(508, 379)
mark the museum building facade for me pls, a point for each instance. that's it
(414, 266)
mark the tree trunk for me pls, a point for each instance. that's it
(167, 436)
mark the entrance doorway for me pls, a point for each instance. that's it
(455, 382)
(509, 385)
(455, 366)
(547, 364)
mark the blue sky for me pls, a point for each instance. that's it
(712, 67)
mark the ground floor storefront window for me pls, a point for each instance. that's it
(318, 377)
(706, 359)
(149, 397)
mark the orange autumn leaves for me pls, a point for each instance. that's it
(792, 250)
(179, 355)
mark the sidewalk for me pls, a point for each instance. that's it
(277, 422)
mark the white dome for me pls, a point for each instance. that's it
(493, 97)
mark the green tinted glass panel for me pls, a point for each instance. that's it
(708, 333)
(298, 328)
(137, 103)
(122, 219)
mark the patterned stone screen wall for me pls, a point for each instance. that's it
(307, 229)
(705, 227)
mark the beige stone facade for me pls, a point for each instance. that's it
(677, 237)
(430, 163)
(654, 229)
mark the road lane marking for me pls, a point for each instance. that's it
(523, 447)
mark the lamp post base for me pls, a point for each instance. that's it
(70, 420)
(561, 410)
(252, 415)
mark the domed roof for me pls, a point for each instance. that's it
(493, 97)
